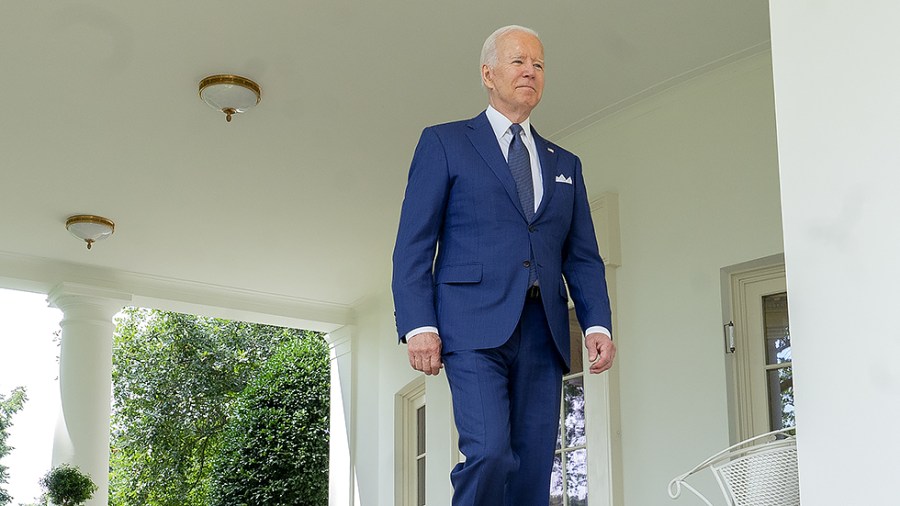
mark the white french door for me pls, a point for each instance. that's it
(763, 373)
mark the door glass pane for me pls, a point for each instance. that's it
(559, 434)
(573, 397)
(420, 431)
(420, 480)
(781, 397)
(778, 335)
(556, 482)
(576, 477)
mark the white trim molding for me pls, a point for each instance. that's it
(604, 428)
(33, 274)
(406, 402)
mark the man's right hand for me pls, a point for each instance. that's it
(425, 353)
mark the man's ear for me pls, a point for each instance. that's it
(486, 77)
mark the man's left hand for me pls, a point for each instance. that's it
(601, 351)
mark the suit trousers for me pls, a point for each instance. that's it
(506, 402)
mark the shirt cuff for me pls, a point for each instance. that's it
(420, 330)
(598, 328)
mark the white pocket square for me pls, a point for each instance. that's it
(563, 179)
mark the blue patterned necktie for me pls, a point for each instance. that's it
(520, 168)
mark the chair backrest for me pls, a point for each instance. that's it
(765, 475)
(760, 471)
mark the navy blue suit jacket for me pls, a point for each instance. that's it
(463, 242)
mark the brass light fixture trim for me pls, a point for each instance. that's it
(229, 93)
(90, 228)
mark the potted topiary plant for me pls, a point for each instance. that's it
(66, 485)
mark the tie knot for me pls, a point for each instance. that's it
(516, 129)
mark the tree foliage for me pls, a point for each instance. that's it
(275, 450)
(8, 407)
(175, 379)
(66, 485)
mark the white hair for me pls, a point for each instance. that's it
(489, 50)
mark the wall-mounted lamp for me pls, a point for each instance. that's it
(90, 228)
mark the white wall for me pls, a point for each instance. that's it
(696, 173)
(836, 82)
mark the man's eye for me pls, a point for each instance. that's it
(517, 62)
(539, 65)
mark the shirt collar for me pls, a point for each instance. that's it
(500, 123)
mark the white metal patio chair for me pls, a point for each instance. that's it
(760, 471)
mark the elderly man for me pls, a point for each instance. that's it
(507, 216)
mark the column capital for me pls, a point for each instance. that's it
(67, 295)
(340, 340)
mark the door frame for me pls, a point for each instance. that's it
(736, 281)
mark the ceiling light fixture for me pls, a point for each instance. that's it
(229, 93)
(90, 228)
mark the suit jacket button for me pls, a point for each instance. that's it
(526, 264)
(531, 228)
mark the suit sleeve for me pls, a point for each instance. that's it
(582, 266)
(421, 219)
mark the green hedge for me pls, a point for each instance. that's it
(275, 448)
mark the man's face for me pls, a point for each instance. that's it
(516, 82)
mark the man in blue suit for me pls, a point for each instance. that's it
(493, 219)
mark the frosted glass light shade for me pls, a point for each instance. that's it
(229, 93)
(90, 228)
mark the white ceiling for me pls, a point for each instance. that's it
(300, 196)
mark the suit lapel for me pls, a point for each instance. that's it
(548, 170)
(482, 137)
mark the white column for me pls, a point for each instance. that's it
(837, 108)
(85, 380)
(340, 469)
